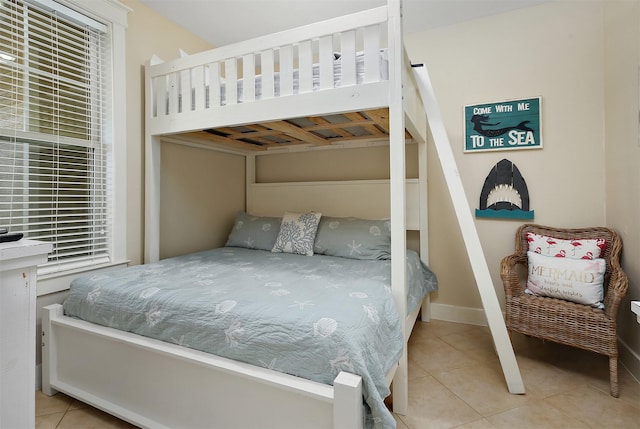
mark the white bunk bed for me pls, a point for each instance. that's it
(195, 100)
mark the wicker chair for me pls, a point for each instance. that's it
(563, 321)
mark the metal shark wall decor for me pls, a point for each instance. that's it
(504, 194)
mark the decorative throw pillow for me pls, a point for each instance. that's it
(354, 238)
(570, 279)
(576, 249)
(254, 232)
(297, 233)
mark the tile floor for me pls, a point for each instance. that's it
(456, 382)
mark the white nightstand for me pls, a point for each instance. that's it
(635, 307)
(18, 261)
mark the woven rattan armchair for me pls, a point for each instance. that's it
(562, 321)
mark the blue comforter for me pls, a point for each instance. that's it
(309, 316)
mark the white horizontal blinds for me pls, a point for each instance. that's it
(54, 181)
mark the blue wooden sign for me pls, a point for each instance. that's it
(504, 125)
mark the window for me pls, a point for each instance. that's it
(56, 152)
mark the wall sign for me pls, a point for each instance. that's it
(503, 125)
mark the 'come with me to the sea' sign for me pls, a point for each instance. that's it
(503, 125)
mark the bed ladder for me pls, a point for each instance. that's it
(479, 265)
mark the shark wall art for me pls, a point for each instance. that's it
(504, 194)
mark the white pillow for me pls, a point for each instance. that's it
(583, 248)
(576, 280)
(297, 233)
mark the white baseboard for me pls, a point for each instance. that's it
(629, 359)
(450, 313)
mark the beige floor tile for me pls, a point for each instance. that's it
(435, 355)
(481, 386)
(593, 366)
(528, 346)
(91, 418)
(597, 409)
(599, 378)
(534, 415)
(422, 330)
(431, 405)
(415, 370)
(76, 405)
(48, 421)
(629, 387)
(544, 380)
(581, 366)
(399, 423)
(475, 343)
(51, 404)
(441, 327)
(478, 424)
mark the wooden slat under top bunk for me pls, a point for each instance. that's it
(340, 128)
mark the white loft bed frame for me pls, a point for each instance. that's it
(155, 384)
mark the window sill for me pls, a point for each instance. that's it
(57, 282)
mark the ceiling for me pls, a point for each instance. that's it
(221, 22)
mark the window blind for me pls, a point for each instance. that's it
(55, 180)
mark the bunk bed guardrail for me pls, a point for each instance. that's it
(347, 53)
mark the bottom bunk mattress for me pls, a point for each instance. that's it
(309, 316)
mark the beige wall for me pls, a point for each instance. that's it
(622, 97)
(342, 164)
(201, 192)
(554, 51)
(505, 57)
(147, 34)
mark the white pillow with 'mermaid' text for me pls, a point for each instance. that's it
(577, 280)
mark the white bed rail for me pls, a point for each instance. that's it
(153, 384)
(280, 64)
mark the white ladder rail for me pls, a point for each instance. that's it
(469, 233)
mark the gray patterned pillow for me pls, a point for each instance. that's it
(354, 238)
(297, 233)
(254, 232)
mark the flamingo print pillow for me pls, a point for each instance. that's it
(575, 249)
(576, 280)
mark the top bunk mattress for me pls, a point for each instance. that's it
(309, 316)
